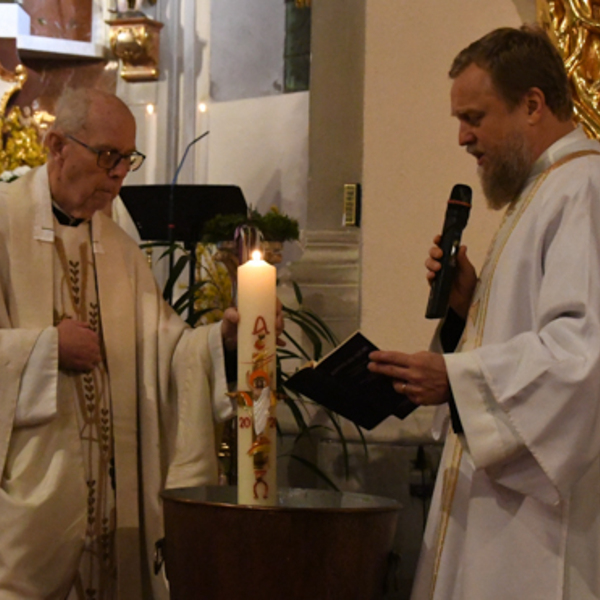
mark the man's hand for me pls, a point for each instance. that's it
(421, 376)
(78, 346)
(465, 277)
(229, 328)
(231, 318)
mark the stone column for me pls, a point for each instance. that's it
(328, 272)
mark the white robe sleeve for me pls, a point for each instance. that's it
(15, 349)
(197, 381)
(123, 219)
(36, 402)
(529, 404)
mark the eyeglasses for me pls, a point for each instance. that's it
(109, 159)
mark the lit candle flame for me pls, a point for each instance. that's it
(256, 255)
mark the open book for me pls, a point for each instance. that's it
(341, 382)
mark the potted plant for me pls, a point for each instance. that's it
(275, 227)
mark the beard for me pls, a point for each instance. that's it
(507, 172)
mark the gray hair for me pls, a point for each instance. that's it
(74, 106)
(72, 111)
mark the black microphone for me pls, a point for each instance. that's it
(457, 215)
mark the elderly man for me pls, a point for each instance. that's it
(106, 395)
(516, 511)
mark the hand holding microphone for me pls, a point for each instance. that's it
(449, 268)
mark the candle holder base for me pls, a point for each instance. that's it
(315, 544)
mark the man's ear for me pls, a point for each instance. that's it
(55, 143)
(535, 102)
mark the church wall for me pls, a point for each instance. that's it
(260, 145)
(412, 158)
(257, 142)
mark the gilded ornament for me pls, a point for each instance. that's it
(136, 41)
(22, 134)
(10, 83)
(574, 27)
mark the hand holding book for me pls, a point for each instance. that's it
(342, 382)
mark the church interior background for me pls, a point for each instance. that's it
(374, 111)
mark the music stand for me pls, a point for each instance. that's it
(193, 205)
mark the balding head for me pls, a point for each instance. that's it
(78, 110)
(88, 121)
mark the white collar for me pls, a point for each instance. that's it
(574, 141)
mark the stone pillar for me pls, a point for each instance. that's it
(328, 273)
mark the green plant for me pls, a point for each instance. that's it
(221, 228)
(274, 225)
(186, 301)
(277, 227)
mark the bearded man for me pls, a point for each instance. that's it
(516, 508)
(106, 396)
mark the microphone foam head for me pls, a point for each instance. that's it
(461, 193)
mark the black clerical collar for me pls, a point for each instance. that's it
(63, 218)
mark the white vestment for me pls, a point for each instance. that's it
(167, 386)
(516, 509)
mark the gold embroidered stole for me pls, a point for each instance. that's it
(75, 296)
(472, 338)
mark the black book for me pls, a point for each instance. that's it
(341, 382)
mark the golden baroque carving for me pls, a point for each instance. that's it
(22, 135)
(21, 130)
(10, 83)
(136, 41)
(574, 27)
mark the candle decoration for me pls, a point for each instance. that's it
(256, 399)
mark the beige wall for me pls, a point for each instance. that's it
(411, 156)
